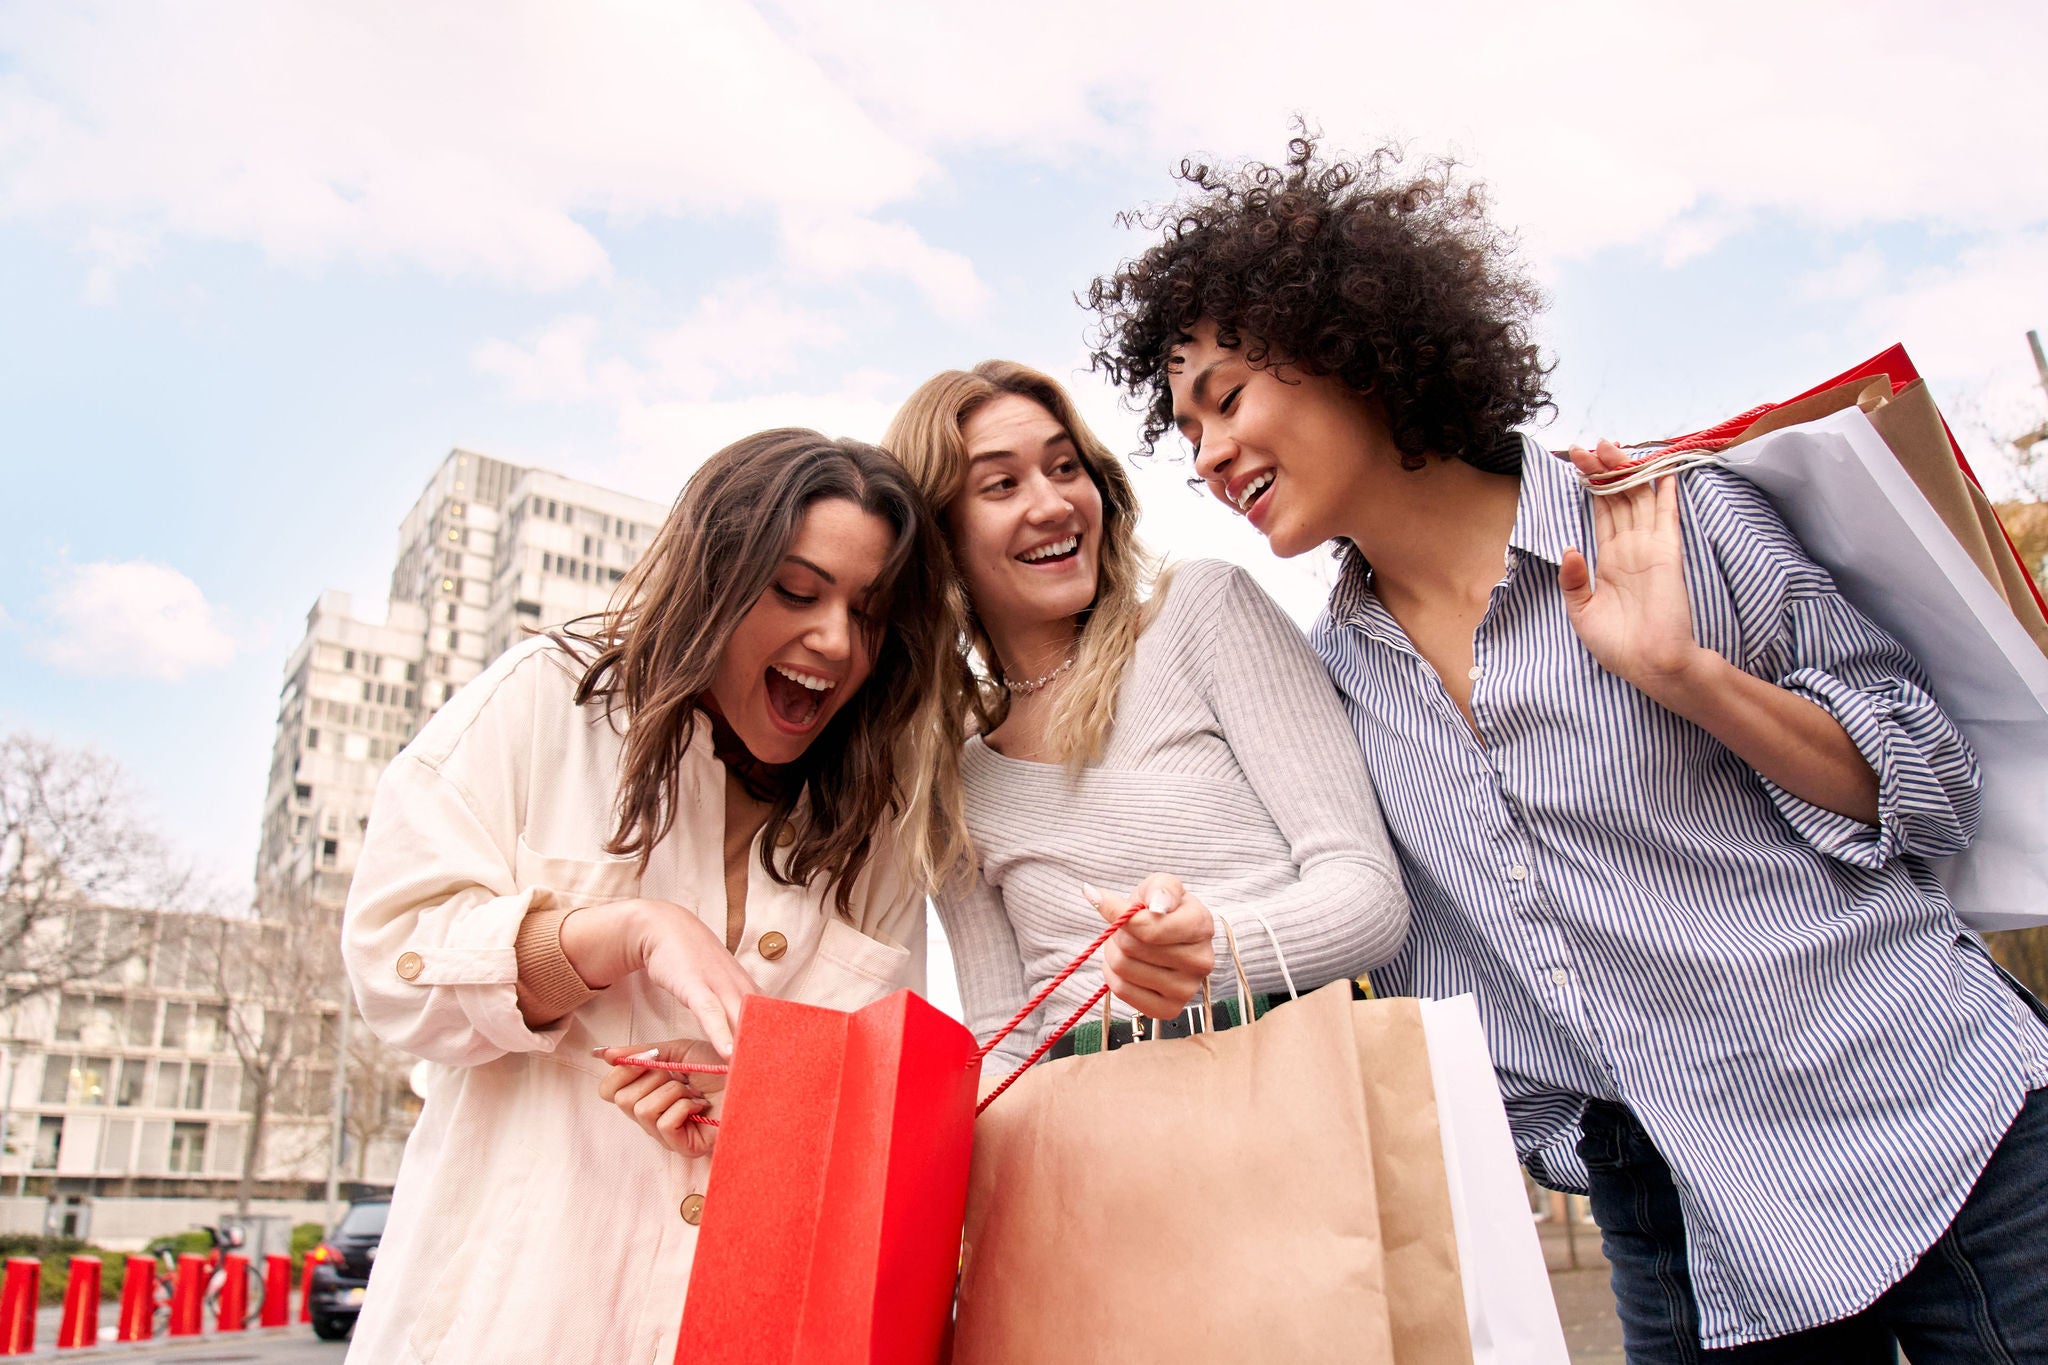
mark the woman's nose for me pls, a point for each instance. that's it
(1048, 503)
(831, 634)
(1213, 460)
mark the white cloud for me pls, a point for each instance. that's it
(476, 139)
(836, 248)
(132, 619)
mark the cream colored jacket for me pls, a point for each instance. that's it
(532, 1220)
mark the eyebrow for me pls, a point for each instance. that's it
(799, 559)
(1062, 439)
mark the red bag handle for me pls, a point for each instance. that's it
(981, 1053)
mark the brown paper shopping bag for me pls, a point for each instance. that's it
(1267, 1193)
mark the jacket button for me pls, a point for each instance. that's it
(693, 1209)
(410, 965)
(773, 946)
(786, 836)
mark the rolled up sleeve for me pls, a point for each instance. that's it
(430, 931)
(1809, 639)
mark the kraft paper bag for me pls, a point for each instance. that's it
(1268, 1193)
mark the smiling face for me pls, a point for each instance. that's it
(1293, 454)
(808, 643)
(1027, 526)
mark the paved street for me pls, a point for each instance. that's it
(275, 1346)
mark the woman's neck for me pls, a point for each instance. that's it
(1435, 532)
(1028, 650)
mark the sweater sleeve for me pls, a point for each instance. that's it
(1345, 910)
(990, 970)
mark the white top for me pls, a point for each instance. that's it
(1230, 765)
(532, 1220)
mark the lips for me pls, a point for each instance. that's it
(1052, 552)
(1252, 494)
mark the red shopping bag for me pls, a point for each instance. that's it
(831, 1226)
(1893, 364)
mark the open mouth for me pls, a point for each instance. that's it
(1058, 552)
(796, 696)
(1250, 499)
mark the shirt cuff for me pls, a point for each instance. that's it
(548, 984)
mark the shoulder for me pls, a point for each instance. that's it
(533, 679)
(1200, 588)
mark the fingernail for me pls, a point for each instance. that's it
(646, 1056)
(599, 1051)
(1159, 902)
(1093, 894)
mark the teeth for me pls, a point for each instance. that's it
(1067, 546)
(813, 682)
(1253, 489)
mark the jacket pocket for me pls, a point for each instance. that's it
(850, 969)
(564, 882)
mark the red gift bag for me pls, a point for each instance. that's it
(831, 1226)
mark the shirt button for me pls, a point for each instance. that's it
(1560, 976)
(785, 836)
(693, 1209)
(1473, 672)
(1518, 872)
(410, 965)
(773, 946)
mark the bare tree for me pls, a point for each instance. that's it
(380, 1098)
(279, 974)
(70, 840)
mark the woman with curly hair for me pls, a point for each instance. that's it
(1670, 822)
(1102, 717)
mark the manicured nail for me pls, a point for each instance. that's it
(1159, 902)
(1093, 894)
(646, 1056)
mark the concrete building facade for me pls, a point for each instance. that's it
(488, 553)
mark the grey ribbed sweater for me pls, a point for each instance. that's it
(1232, 766)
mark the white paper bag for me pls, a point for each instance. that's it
(1843, 494)
(1509, 1307)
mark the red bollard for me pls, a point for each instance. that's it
(313, 1258)
(80, 1325)
(138, 1300)
(188, 1296)
(234, 1293)
(18, 1296)
(277, 1291)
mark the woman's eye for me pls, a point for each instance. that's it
(1066, 469)
(1002, 485)
(793, 598)
(1229, 400)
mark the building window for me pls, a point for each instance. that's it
(170, 1084)
(408, 698)
(56, 1080)
(586, 544)
(328, 850)
(302, 792)
(91, 1079)
(369, 689)
(134, 1073)
(447, 585)
(348, 659)
(454, 509)
(454, 533)
(49, 1138)
(312, 739)
(547, 562)
(177, 1025)
(188, 1148)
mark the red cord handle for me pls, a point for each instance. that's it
(689, 1069)
(1045, 992)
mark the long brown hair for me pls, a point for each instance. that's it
(652, 654)
(926, 435)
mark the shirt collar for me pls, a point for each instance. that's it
(1550, 517)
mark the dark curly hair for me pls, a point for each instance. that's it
(1393, 282)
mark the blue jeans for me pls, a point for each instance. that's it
(1980, 1294)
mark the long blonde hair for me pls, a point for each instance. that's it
(926, 436)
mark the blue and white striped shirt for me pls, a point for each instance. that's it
(1781, 995)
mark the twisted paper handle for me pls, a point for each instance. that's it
(1043, 995)
(690, 1069)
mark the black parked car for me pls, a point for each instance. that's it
(341, 1267)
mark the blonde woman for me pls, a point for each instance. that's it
(612, 837)
(1186, 751)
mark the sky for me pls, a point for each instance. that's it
(262, 265)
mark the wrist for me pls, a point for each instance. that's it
(603, 942)
(1689, 685)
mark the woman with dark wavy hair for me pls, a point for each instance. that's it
(720, 786)
(1669, 821)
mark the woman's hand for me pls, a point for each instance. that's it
(662, 1102)
(1636, 620)
(1159, 961)
(678, 952)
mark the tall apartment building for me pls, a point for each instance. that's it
(489, 552)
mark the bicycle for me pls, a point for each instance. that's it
(221, 1241)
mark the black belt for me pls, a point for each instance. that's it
(1085, 1038)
